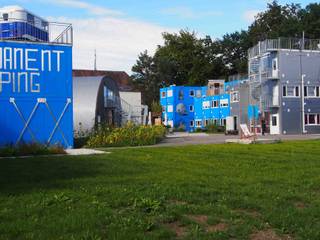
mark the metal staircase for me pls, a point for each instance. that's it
(130, 113)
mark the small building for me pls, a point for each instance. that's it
(192, 107)
(105, 98)
(284, 80)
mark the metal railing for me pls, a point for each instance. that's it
(284, 43)
(23, 30)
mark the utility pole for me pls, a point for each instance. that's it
(95, 60)
(302, 87)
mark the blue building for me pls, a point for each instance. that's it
(194, 107)
(35, 83)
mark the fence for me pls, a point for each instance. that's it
(22, 30)
(284, 43)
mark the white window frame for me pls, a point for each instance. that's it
(190, 93)
(213, 105)
(224, 105)
(316, 119)
(170, 109)
(191, 123)
(284, 90)
(234, 99)
(315, 90)
(191, 108)
(163, 94)
(198, 123)
(170, 93)
(206, 104)
(293, 90)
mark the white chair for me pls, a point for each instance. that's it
(245, 131)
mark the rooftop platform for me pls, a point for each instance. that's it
(295, 44)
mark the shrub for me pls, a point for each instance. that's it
(214, 128)
(129, 135)
(156, 107)
(29, 149)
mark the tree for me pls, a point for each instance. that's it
(276, 21)
(144, 77)
(311, 20)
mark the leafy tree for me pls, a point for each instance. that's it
(310, 17)
(276, 21)
(145, 79)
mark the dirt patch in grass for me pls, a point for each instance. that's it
(201, 219)
(268, 234)
(177, 228)
(217, 228)
(251, 213)
(300, 205)
(177, 202)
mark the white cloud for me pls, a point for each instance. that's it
(188, 13)
(91, 8)
(250, 15)
(118, 41)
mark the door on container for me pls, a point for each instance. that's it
(274, 124)
(235, 123)
(275, 95)
(275, 68)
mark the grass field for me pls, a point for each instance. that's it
(195, 192)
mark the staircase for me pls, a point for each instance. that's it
(129, 113)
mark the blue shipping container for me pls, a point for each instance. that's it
(35, 93)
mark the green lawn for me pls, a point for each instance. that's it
(194, 192)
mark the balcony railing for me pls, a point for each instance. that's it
(284, 43)
(23, 30)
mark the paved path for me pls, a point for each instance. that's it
(182, 139)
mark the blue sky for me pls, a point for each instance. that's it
(117, 27)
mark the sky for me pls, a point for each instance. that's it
(121, 29)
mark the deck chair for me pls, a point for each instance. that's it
(245, 131)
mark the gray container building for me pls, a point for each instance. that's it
(284, 81)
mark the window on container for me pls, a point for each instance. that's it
(191, 93)
(30, 18)
(224, 103)
(198, 123)
(274, 121)
(169, 93)
(191, 108)
(235, 97)
(206, 122)
(181, 95)
(191, 123)
(206, 105)
(305, 91)
(223, 122)
(163, 108)
(214, 104)
(312, 119)
(170, 108)
(311, 91)
(163, 94)
(317, 91)
(198, 93)
(297, 91)
(5, 16)
(284, 91)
